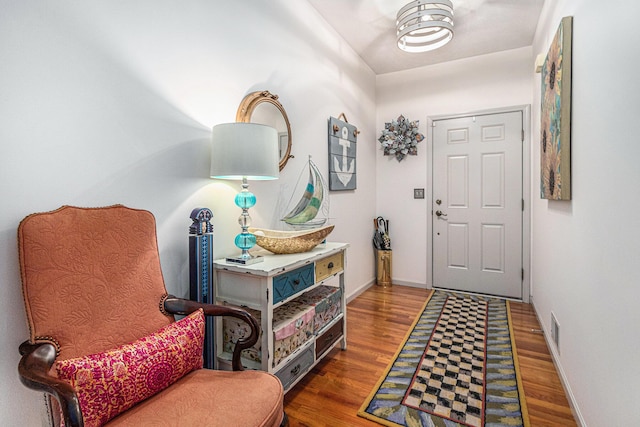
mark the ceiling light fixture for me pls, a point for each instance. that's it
(424, 25)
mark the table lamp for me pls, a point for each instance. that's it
(244, 151)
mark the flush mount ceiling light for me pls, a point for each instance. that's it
(424, 25)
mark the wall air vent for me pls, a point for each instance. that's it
(555, 331)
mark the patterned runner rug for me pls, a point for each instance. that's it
(456, 367)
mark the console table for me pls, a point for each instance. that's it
(279, 282)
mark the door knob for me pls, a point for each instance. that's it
(439, 214)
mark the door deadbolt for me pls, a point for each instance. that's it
(438, 202)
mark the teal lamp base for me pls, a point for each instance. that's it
(245, 240)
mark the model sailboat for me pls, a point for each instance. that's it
(305, 213)
(310, 229)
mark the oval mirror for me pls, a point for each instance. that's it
(263, 107)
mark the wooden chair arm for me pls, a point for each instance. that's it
(184, 306)
(33, 369)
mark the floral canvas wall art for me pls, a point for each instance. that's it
(555, 127)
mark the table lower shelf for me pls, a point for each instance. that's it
(296, 365)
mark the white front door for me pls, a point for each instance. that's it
(477, 203)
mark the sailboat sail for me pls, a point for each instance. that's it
(307, 208)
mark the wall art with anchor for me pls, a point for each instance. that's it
(342, 154)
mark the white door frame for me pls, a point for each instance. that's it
(526, 190)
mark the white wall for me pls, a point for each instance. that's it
(497, 80)
(585, 251)
(104, 102)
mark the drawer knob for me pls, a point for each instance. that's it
(296, 370)
(296, 282)
(330, 265)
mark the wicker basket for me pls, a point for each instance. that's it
(290, 242)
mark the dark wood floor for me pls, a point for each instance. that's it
(378, 320)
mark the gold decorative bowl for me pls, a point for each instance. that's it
(290, 242)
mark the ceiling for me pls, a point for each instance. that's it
(480, 27)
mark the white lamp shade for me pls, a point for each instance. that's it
(244, 150)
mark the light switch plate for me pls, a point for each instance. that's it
(418, 193)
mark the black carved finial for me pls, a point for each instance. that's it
(201, 218)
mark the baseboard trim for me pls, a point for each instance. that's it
(355, 294)
(410, 284)
(573, 404)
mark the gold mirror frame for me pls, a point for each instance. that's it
(248, 106)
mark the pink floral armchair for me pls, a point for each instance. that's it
(104, 344)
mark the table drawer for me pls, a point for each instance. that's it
(331, 335)
(292, 282)
(328, 266)
(327, 301)
(296, 368)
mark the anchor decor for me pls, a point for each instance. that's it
(400, 138)
(342, 154)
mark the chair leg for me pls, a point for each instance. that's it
(285, 420)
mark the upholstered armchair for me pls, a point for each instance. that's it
(104, 343)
